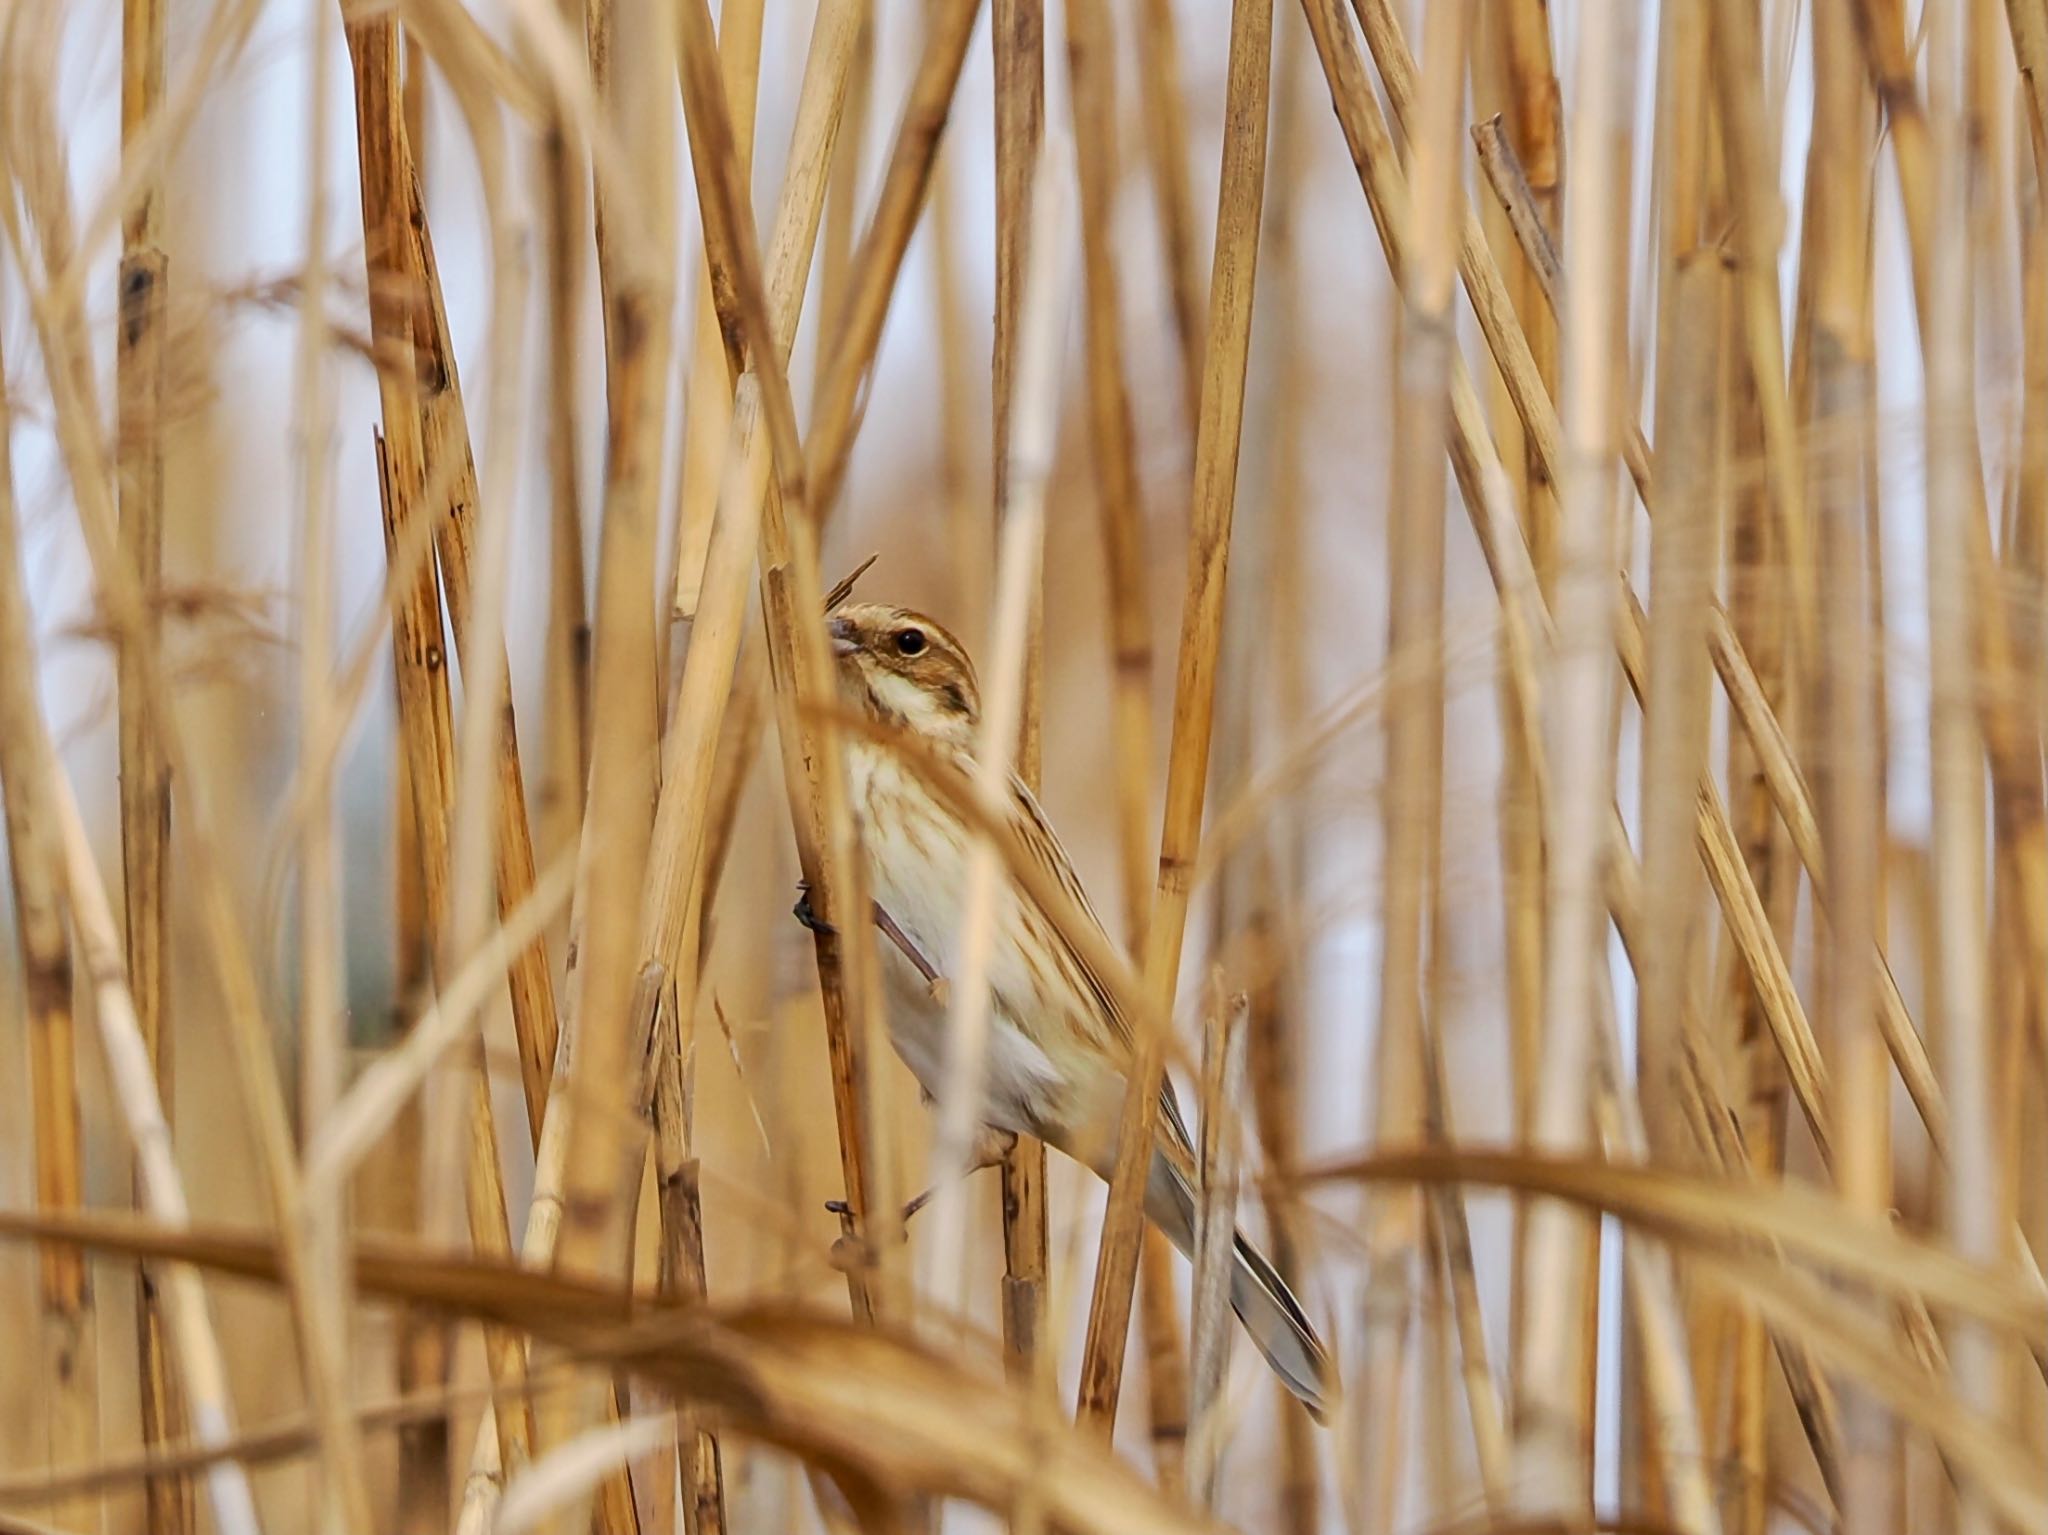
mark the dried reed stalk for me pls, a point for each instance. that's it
(51, 869)
(67, 1347)
(1017, 42)
(38, 166)
(1412, 805)
(323, 1019)
(1215, 490)
(1033, 422)
(1955, 490)
(871, 283)
(145, 792)
(707, 394)
(677, 884)
(842, 200)
(632, 50)
(1842, 376)
(1161, 91)
(1091, 67)
(1513, 75)
(1552, 1443)
(792, 604)
(1276, 614)
(1091, 71)
(566, 764)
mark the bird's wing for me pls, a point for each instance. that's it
(1037, 835)
(1035, 832)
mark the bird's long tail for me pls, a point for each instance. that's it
(1259, 1296)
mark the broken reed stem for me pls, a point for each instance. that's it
(1551, 1450)
(1412, 805)
(1034, 420)
(1017, 41)
(145, 789)
(1240, 201)
(68, 1355)
(60, 324)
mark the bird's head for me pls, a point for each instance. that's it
(907, 669)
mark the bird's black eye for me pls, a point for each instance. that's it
(910, 642)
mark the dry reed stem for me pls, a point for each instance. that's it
(67, 1349)
(1759, 717)
(323, 1021)
(842, 199)
(632, 55)
(1091, 71)
(799, 661)
(1955, 490)
(423, 457)
(1091, 68)
(1751, 155)
(1841, 371)
(1160, 83)
(678, 886)
(1450, 1235)
(1017, 41)
(1240, 201)
(1411, 807)
(747, 319)
(968, 537)
(1691, 382)
(1551, 1443)
(145, 792)
(1220, 1155)
(1272, 968)
(882, 1414)
(1034, 418)
(38, 166)
(1512, 67)
(189, 1332)
(707, 394)
(566, 720)
(872, 281)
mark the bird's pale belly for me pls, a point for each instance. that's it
(917, 860)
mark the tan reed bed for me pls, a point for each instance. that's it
(1728, 605)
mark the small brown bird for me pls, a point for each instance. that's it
(1059, 1045)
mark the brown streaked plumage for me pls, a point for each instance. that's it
(1059, 1042)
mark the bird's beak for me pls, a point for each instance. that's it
(844, 641)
